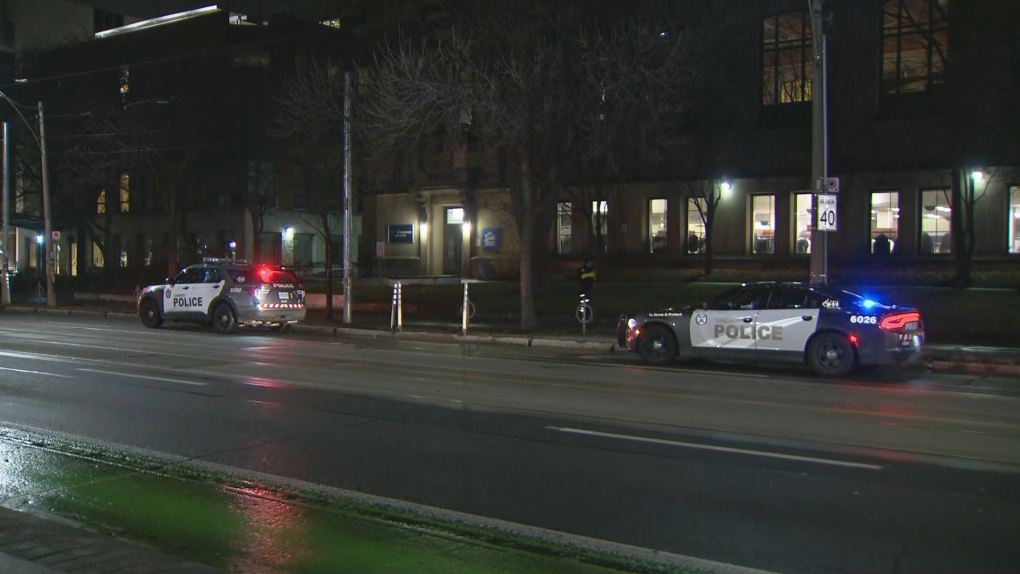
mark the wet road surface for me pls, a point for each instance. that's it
(764, 467)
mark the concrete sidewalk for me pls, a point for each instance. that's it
(33, 545)
(970, 358)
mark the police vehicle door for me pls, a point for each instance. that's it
(786, 323)
(209, 289)
(188, 296)
(728, 323)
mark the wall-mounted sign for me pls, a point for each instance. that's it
(380, 248)
(490, 238)
(402, 233)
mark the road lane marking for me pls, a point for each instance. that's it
(146, 377)
(600, 387)
(729, 449)
(34, 372)
(697, 372)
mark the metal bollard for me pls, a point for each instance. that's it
(400, 307)
(393, 309)
(584, 314)
(464, 312)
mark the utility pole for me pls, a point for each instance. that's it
(347, 197)
(6, 279)
(820, 142)
(48, 245)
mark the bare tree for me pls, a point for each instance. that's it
(706, 194)
(539, 82)
(259, 195)
(323, 217)
(310, 123)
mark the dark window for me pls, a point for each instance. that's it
(915, 36)
(742, 298)
(787, 58)
(788, 297)
(191, 275)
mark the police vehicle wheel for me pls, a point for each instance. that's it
(656, 345)
(149, 312)
(223, 319)
(831, 355)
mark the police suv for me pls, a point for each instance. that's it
(831, 330)
(229, 293)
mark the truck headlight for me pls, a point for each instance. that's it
(631, 323)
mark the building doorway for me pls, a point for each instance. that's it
(453, 240)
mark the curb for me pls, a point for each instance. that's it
(509, 340)
(69, 312)
(934, 360)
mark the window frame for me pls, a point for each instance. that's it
(692, 207)
(871, 228)
(937, 251)
(795, 222)
(926, 31)
(650, 204)
(775, 46)
(751, 220)
(564, 209)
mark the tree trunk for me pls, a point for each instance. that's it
(528, 318)
(545, 218)
(958, 228)
(709, 224)
(329, 272)
(257, 225)
(171, 249)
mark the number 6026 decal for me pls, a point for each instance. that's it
(863, 320)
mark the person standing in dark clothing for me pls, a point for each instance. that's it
(586, 279)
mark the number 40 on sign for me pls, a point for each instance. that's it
(827, 214)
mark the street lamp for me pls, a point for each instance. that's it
(40, 140)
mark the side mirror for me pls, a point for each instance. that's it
(169, 280)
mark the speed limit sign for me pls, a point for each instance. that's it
(827, 213)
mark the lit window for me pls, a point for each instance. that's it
(804, 221)
(101, 202)
(125, 193)
(97, 256)
(763, 224)
(1014, 219)
(455, 215)
(657, 225)
(787, 58)
(885, 222)
(564, 227)
(600, 222)
(697, 215)
(936, 218)
(915, 39)
(334, 23)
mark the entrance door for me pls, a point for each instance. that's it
(453, 240)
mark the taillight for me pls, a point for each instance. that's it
(900, 321)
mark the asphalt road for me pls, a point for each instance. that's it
(771, 468)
